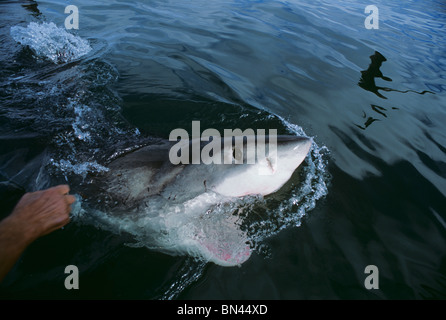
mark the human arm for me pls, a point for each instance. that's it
(35, 215)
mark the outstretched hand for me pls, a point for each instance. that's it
(35, 215)
(45, 211)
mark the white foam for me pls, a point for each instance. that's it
(81, 169)
(81, 124)
(49, 41)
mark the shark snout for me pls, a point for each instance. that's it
(303, 145)
(298, 145)
(292, 151)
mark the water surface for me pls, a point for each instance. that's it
(372, 191)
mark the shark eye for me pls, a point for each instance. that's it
(236, 154)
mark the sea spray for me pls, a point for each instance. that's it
(51, 42)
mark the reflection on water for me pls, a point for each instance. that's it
(369, 119)
(367, 82)
(31, 6)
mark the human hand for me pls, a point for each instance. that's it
(42, 212)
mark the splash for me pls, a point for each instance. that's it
(82, 169)
(299, 201)
(51, 42)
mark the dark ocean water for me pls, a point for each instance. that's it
(371, 192)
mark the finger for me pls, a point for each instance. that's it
(62, 189)
(69, 199)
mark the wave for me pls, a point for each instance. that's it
(49, 41)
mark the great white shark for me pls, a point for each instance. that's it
(143, 189)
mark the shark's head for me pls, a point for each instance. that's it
(240, 166)
(264, 170)
(147, 184)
